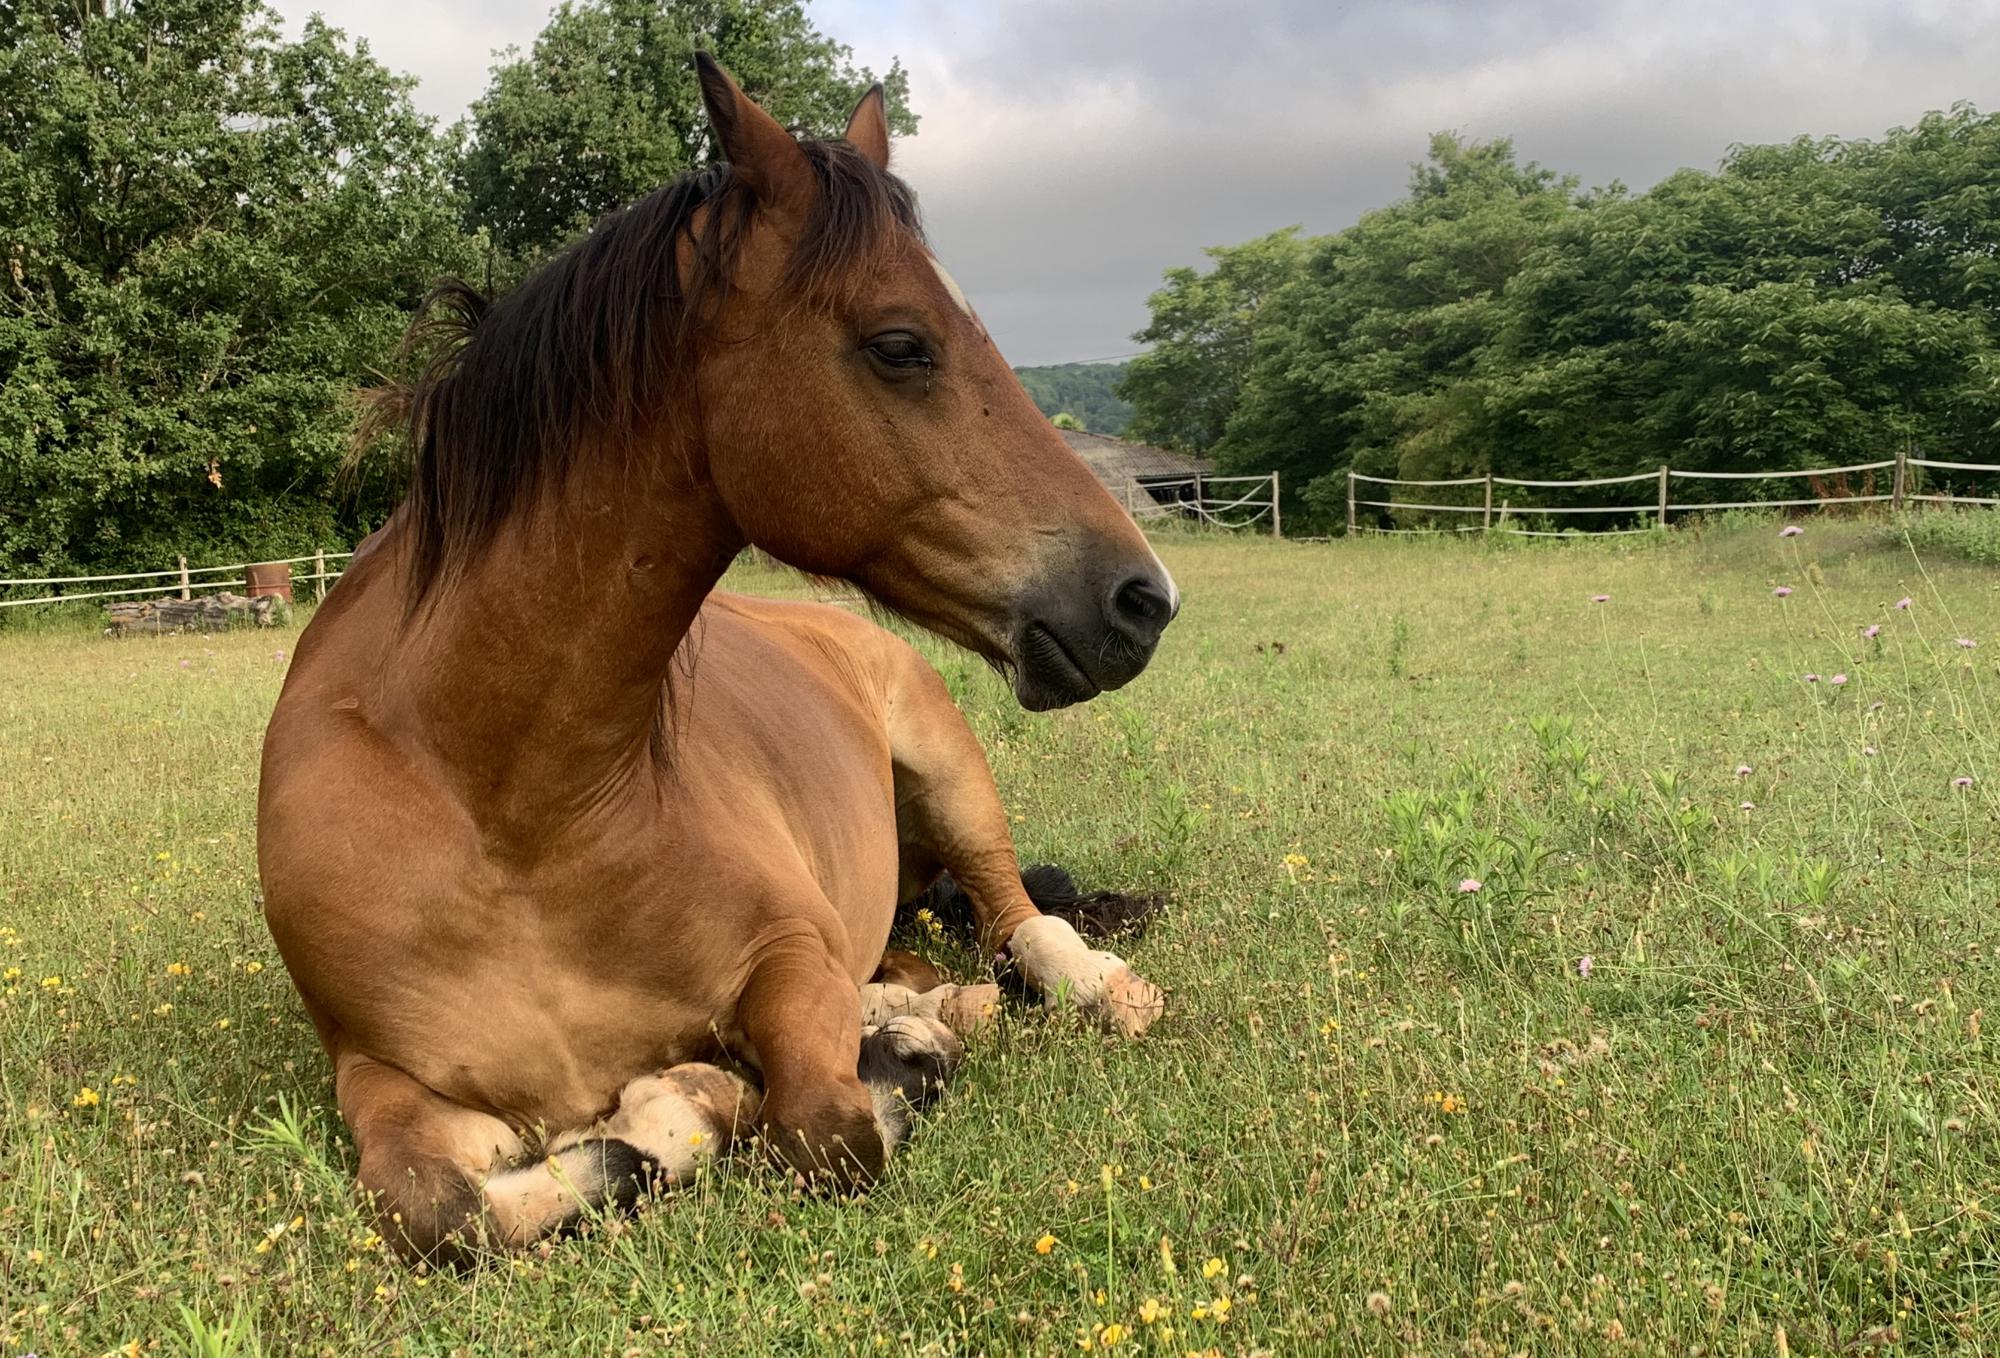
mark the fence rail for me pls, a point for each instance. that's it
(1663, 505)
(187, 579)
(1188, 495)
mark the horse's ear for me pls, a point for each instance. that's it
(764, 155)
(868, 128)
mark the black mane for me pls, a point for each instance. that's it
(589, 346)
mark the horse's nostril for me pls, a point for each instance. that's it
(1143, 605)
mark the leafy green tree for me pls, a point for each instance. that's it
(1812, 303)
(1370, 357)
(1086, 392)
(1062, 419)
(606, 108)
(211, 235)
(1203, 331)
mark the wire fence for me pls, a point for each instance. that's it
(184, 581)
(1236, 503)
(1497, 509)
(1250, 501)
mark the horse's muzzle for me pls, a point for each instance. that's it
(1079, 643)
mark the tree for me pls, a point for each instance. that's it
(1087, 392)
(1203, 329)
(1369, 357)
(1062, 419)
(212, 235)
(605, 108)
(1810, 303)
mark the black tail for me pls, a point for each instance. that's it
(1095, 914)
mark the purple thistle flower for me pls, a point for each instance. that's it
(1868, 750)
(1812, 678)
(1585, 965)
(1790, 530)
(1967, 642)
(1600, 598)
(1746, 806)
(1875, 706)
(1469, 886)
(1903, 604)
(1837, 680)
(1961, 781)
(1783, 591)
(1744, 770)
(1871, 631)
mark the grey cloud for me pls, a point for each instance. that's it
(1071, 151)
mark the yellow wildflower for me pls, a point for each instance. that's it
(1219, 1308)
(52, 983)
(1296, 861)
(252, 968)
(179, 969)
(1112, 1334)
(86, 1098)
(1212, 1267)
(1045, 1244)
(1151, 1310)
(11, 974)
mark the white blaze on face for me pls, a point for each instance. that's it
(951, 287)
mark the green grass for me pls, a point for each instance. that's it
(1767, 1107)
(1973, 534)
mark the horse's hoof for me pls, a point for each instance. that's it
(1130, 1003)
(968, 1009)
(912, 1055)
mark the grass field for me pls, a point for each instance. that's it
(1697, 1069)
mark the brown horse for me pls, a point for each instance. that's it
(554, 841)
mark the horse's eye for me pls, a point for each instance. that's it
(899, 351)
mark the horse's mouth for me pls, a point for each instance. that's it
(1046, 675)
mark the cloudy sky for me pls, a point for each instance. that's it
(1072, 149)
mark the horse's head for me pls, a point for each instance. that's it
(860, 423)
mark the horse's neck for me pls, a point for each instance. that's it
(536, 680)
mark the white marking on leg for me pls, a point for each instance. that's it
(679, 1119)
(1061, 965)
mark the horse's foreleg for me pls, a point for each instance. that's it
(837, 1099)
(947, 803)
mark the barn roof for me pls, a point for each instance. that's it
(1120, 465)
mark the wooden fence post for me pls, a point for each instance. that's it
(1663, 494)
(1350, 502)
(185, 593)
(319, 571)
(1487, 521)
(1277, 517)
(1902, 477)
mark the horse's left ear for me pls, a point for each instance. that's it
(764, 155)
(868, 128)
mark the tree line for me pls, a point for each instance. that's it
(1818, 303)
(1086, 392)
(214, 233)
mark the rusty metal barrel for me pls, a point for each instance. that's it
(270, 577)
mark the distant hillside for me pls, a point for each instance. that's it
(1086, 390)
